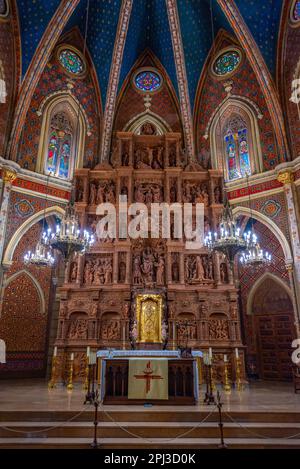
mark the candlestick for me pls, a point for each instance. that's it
(55, 351)
(70, 377)
(88, 351)
(236, 353)
(210, 352)
(52, 382)
(225, 358)
(227, 387)
(238, 374)
(87, 360)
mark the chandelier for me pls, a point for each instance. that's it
(69, 238)
(40, 256)
(228, 239)
(255, 256)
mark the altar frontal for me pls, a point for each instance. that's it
(148, 378)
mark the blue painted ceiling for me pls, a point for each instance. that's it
(149, 28)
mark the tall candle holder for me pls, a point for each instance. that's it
(239, 385)
(86, 380)
(226, 386)
(52, 382)
(70, 377)
(209, 396)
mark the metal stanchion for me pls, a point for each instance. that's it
(221, 425)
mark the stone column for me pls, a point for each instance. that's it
(181, 268)
(9, 175)
(80, 267)
(169, 267)
(128, 267)
(216, 263)
(287, 179)
(291, 272)
(115, 267)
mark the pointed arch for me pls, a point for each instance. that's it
(63, 103)
(259, 282)
(149, 58)
(10, 249)
(147, 117)
(241, 107)
(34, 281)
(245, 211)
(261, 71)
(221, 38)
(36, 67)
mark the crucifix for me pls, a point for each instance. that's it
(148, 376)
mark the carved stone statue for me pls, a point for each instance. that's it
(108, 272)
(74, 269)
(160, 271)
(218, 329)
(100, 194)
(137, 273)
(78, 329)
(218, 195)
(92, 200)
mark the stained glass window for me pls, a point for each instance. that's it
(3, 8)
(59, 151)
(226, 63)
(237, 149)
(148, 81)
(71, 62)
(296, 11)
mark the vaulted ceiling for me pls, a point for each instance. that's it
(149, 28)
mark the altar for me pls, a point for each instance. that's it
(148, 376)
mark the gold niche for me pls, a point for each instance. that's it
(149, 316)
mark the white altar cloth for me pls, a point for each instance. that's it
(169, 354)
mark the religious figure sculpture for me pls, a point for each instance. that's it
(92, 200)
(108, 272)
(137, 273)
(100, 194)
(160, 271)
(78, 329)
(74, 272)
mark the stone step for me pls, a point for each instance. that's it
(156, 414)
(148, 430)
(156, 443)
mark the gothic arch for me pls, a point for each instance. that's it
(35, 218)
(259, 282)
(63, 102)
(136, 123)
(34, 281)
(236, 107)
(245, 211)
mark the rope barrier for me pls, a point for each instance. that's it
(44, 429)
(181, 435)
(259, 434)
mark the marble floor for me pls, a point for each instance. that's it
(33, 395)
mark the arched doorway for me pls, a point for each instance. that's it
(273, 320)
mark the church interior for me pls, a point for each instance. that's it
(156, 102)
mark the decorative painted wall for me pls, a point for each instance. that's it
(7, 66)
(248, 277)
(292, 60)
(244, 84)
(54, 80)
(131, 103)
(24, 319)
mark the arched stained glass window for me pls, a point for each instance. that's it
(147, 81)
(296, 11)
(226, 63)
(3, 8)
(58, 159)
(237, 149)
(71, 62)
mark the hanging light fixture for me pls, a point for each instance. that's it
(69, 238)
(254, 256)
(227, 238)
(41, 256)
